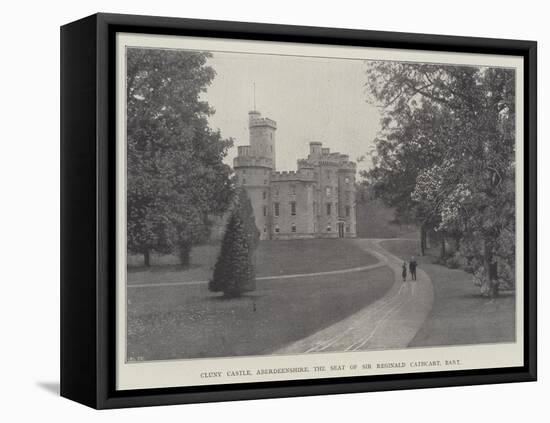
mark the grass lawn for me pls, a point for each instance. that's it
(375, 220)
(190, 322)
(273, 258)
(460, 316)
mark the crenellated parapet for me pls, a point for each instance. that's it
(262, 121)
(301, 175)
(305, 164)
(347, 167)
(327, 161)
(244, 150)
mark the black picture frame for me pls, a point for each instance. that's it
(88, 209)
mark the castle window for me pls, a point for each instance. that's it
(293, 208)
(277, 228)
(265, 181)
(244, 181)
(264, 195)
(244, 171)
(346, 180)
(347, 196)
(329, 228)
(328, 191)
(329, 209)
(276, 208)
(277, 192)
(265, 210)
(328, 174)
(265, 228)
(292, 189)
(293, 227)
(348, 211)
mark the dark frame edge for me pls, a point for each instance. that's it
(78, 358)
(313, 34)
(530, 188)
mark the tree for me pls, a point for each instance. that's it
(176, 177)
(407, 144)
(234, 272)
(464, 183)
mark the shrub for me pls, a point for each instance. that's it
(456, 261)
(234, 272)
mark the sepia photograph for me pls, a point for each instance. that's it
(291, 205)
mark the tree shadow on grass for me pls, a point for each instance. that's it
(163, 268)
(244, 297)
(477, 296)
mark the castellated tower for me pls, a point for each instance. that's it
(315, 201)
(262, 136)
(347, 201)
(253, 166)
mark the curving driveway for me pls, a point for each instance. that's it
(390, 322)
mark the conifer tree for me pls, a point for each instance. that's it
(234, 272)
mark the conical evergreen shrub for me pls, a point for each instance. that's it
(234, 272)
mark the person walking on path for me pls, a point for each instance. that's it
(412, 268)
(404, 271)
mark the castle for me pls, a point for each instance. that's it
(316, 201)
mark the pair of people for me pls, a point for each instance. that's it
(412, 269)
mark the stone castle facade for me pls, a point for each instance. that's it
(315, 201)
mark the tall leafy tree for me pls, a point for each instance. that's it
(176, 177)
(461, 123)
(406, 144)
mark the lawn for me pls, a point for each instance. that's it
(460, 316)
(273, 258)
(190, 322)
(376, 220)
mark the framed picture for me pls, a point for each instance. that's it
(257, 211)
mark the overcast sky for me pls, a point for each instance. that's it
(311, 99)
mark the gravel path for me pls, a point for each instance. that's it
(391, 322)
